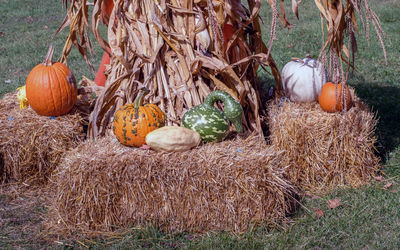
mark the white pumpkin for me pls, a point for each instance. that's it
(173, 139)
(302, 79)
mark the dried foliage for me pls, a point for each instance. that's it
(325, 150)
(341, 27)
(102, 185)
(177, 50)
(31, 146)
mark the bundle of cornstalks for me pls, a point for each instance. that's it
(183, 50)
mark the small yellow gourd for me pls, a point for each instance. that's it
(21, 96)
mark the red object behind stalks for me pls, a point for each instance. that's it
(106, 10)
(101, 78)
(227, 32)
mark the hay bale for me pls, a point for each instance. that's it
(31, 146)
(231, 185)
(325, 151)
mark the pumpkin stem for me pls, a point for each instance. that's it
(140, 97)
(47, 60)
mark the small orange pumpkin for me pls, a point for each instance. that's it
(331, 97)
(51, 87)
(132, 122)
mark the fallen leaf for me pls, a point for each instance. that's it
(334, 203)
(29, 19)
(318, 212)
(314, 197)
(388, 185)
(379, 178)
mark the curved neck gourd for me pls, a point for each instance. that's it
(140, 97)
(210, 122)
(232, 109)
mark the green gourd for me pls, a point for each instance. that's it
(210, 122)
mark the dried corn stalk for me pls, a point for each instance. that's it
(176, 48)
(341, 26)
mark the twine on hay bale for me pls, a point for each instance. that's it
(231, 185)
(31, 146)
(324, 150)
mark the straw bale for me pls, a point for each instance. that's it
(31, 146)
(324, 150)
(232, 185)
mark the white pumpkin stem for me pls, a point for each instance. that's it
(296, 59)
(47, 60)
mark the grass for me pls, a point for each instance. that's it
(369, 217)
(26, 31)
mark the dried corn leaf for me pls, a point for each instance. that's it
(177, 49)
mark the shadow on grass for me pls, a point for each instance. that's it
(385, 102)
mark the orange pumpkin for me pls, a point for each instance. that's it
(51, 87)
(331, 97)
(132, 122)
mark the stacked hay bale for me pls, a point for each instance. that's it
(325, 150)
(230, 186)
(31, 146)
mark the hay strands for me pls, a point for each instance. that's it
(325, 150)
(103, 186)
(31, 146)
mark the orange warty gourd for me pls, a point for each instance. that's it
(132, 122)
(51, 87)
(331, 97)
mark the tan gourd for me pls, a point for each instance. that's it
(173, 139)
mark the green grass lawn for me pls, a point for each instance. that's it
(368, 217)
